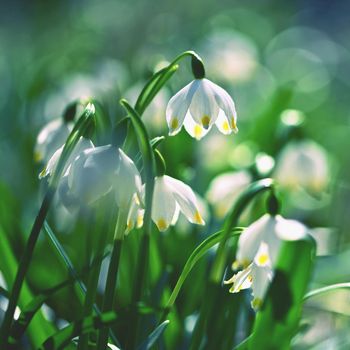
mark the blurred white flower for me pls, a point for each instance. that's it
(225, 189)
(198, 106)
(169, 198)
(52, 136)
(258, 250)
(97, 171)
(303, 164)
(49, 169)
(231, 56)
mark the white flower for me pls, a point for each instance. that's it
(169, 198)
(303, 164)
(49, 169)
(50, 138)
(99, 170)
(198, 106)
(258, 250)
(225, 189)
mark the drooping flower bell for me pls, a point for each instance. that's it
(225, 189)
(198, 106)
(97, 171)
(258, 250)
(82, 144)
(303, 164)
(170, 197)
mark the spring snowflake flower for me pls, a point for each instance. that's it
(97, 171)
(170, 197)
(225, 189)
(82, 144)
(303, 164)
(257, 253)
(198, 106)
(50, 138)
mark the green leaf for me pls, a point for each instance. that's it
(154, 336)
(40, 328)
(63, 337)
(281, 311)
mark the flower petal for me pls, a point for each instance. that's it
(127, 181)
(178, 106)
(251, 237)
(261, 278)
(226, 104)
(241, 280)
(135, 216)
(203, 108)
(222, 124)
(164, 205)
(195, 130)
(186, 199)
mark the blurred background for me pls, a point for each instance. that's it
(285, 63)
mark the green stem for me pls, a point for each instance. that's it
(221, 258)
(327, 289)
(93, 278)
(149, 172)
(23, 266)
(81, 126)
(158, 80)
(112, 275)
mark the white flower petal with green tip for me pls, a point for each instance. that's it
(203, 107)
(127, 181)
(222, 124)
(195, 130)
(178, 106)
(226, 105)
(164, 205)
(261, 278)
(241, 280)
(186, 199)
(251, 238)
(135, 216)
(198, 106)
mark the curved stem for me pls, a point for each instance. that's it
(231, 221)
(198, 253)
(327, 289)
(221, 257)
(158, 80)
(81, 126)
(149, 172)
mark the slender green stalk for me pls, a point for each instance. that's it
(221, 259)
(158, 80)
(112, 275)
(232, 221)
(94, 275)
(149, 173)
(197, 254)
(327, 289)
(82, 125)
(39, 329)
(23, 267)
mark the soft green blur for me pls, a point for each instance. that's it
(277, 59)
